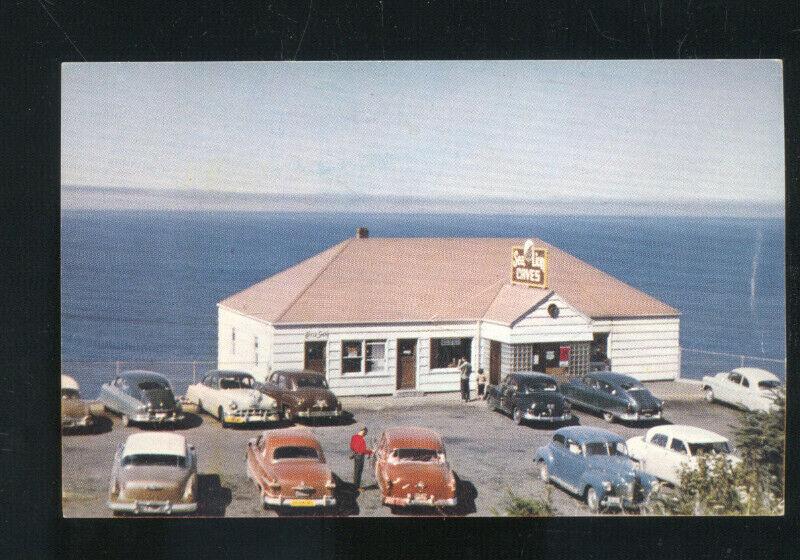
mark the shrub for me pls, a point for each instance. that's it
(518, 506)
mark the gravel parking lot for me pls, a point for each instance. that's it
(488, 452)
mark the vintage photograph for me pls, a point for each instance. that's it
(444, 288)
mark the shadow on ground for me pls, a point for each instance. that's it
(102, 425)
(214, 498)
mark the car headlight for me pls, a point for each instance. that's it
(232, 405)
(141, 408)
(607, 486)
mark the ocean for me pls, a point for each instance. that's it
(142, 287)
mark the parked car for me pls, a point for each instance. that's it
(594, 464)
(75, 413)
(289, 468)
(412, 469)
(665, 450)
(748, 388)
(529, 396)
(233, 397)
(142, 397)
(614, 395)
(154, 473)
(302, 394)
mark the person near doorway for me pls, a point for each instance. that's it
(359, 449)
(481, 381)
(466, 371)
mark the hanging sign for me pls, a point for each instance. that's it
(529, 265)
(563, 356)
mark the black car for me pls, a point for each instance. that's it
(614, 395)
(529, 396)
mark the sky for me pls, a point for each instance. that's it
(685, 137)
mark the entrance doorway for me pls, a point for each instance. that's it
(407, 363)
(315, 356)
(494, 362)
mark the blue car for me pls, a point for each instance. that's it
(594, 464)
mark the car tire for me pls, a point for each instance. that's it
(287, 414)
(709, 394)
(544, 472)
(608, 417)
(592, 500)
(516, 413)
(221, 417)
(126, 420)
(199, 407)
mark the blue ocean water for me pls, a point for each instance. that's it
(143, 286)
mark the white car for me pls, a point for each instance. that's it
(745, 387)
(664, 450)
(233, 397)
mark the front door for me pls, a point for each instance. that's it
(494, 362)
(407, 364)
(315, 356)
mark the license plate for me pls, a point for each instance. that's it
(614, 501)
(301, 503)
(421, 497)
(236, 420)
(319, 413)
(161, 416)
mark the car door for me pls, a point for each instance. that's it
(677, 456)
(508, 394)
(572, 464)
(605, 397)
(558, 449)
(576, 389)
(747, 394)
(730, 388)
(656, 460)
(129, 398)
(108, 395)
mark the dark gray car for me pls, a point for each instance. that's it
(142, 397)
(614, 395)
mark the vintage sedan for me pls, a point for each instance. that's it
(666, 450)
(143, 397)
(594, 464)
(154, 473)
(302, 394)
(529, 396)
(412, 470)
(614, 395)
(745, 387)
(289, 468)
(75, 413)
(233, 397)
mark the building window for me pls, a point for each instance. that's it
(376, 355)
(445, 352)
(255, 349)
(233, 340)
(352, 356)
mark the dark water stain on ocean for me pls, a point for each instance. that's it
(144, 285)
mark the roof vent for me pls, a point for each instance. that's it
(362, 233)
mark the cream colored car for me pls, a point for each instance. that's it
(233, 398)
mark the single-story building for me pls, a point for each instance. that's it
(382, 315)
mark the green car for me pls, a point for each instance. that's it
(614, 395)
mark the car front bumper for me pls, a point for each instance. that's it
(318, 413)
(250, 417)
(414, 501)
(533, 416)
(284, 501)
(85, 422)
(152, 508)
(634, 416)
(157, 418)
(620, 502)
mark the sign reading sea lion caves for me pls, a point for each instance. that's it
(529, 265)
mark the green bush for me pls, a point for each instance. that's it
(518, 506)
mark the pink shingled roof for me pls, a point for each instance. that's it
(387, 280)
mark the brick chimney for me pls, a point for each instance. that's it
(362, 233)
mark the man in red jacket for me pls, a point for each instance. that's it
(358, 445)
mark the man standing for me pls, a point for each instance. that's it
(466, 371)
(358, 446)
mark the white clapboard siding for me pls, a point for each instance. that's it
(539, 326)
(646, 348)
(243, 358)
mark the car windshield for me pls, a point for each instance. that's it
(769, 384)
(315, 381)
(151, 385)
(713, 447)
(294, 452)
(606, 448)
(631, 386)
(69, 394)
(416, 455)
(537, 386)
(243, 382)
(153, 460)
